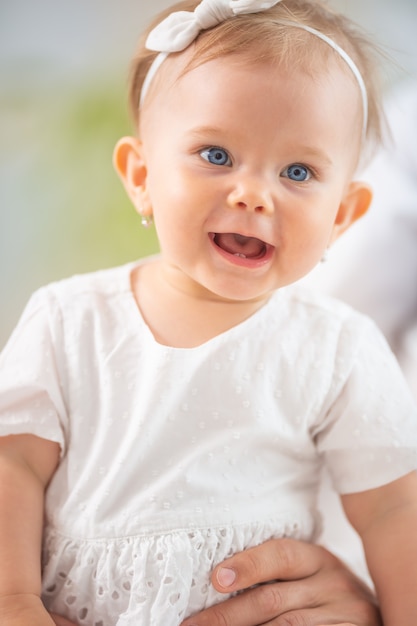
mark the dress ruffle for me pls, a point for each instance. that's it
(82, 582)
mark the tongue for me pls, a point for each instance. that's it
(249, 247)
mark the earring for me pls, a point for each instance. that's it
(146, 221)
(325, 256)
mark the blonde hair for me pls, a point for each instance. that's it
(258, 37)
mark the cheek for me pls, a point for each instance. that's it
(169, 185)
(178, 228)
(305, 222)
(305, 233)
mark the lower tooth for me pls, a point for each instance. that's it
(239, 254)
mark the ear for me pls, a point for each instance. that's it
(129, 162)
(353, 206)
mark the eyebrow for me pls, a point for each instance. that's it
(315, 153)
(207, 130)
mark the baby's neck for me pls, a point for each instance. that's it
(183, 318)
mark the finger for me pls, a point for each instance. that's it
(284, 559)
(314, 618)
(310, 618)
(253, 607)
(267, 606)
(61, 621)
(342, 613)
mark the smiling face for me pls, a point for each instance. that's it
(247, 171)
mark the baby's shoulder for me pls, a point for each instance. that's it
(106, 282)
(92, 294)
(305, 315)
(308, 305)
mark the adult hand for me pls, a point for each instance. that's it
(307, 586)
(61, 621)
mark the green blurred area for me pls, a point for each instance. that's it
(74, 213)
(94, 222)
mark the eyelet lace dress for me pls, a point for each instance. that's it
(174, 459)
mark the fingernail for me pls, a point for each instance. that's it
(226, 577)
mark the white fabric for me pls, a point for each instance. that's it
(179, 29)
(176, 32)
(173, 459)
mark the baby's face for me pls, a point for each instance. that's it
(249, 171)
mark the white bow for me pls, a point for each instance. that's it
(180, 29)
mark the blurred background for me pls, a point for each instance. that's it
(63, 68)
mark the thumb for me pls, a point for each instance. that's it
(62, 621)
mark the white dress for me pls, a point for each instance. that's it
(173, 459)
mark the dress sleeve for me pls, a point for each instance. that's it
(369, 434)
(32, 374)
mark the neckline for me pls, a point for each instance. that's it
(239, 328)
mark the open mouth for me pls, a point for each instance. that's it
(242, 247)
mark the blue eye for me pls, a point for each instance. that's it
(298, 173)
(216, 156)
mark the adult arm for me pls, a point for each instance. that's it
(26, 466)
(306, 586)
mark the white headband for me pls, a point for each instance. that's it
(181, 28)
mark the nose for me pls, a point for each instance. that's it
(251, 193)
